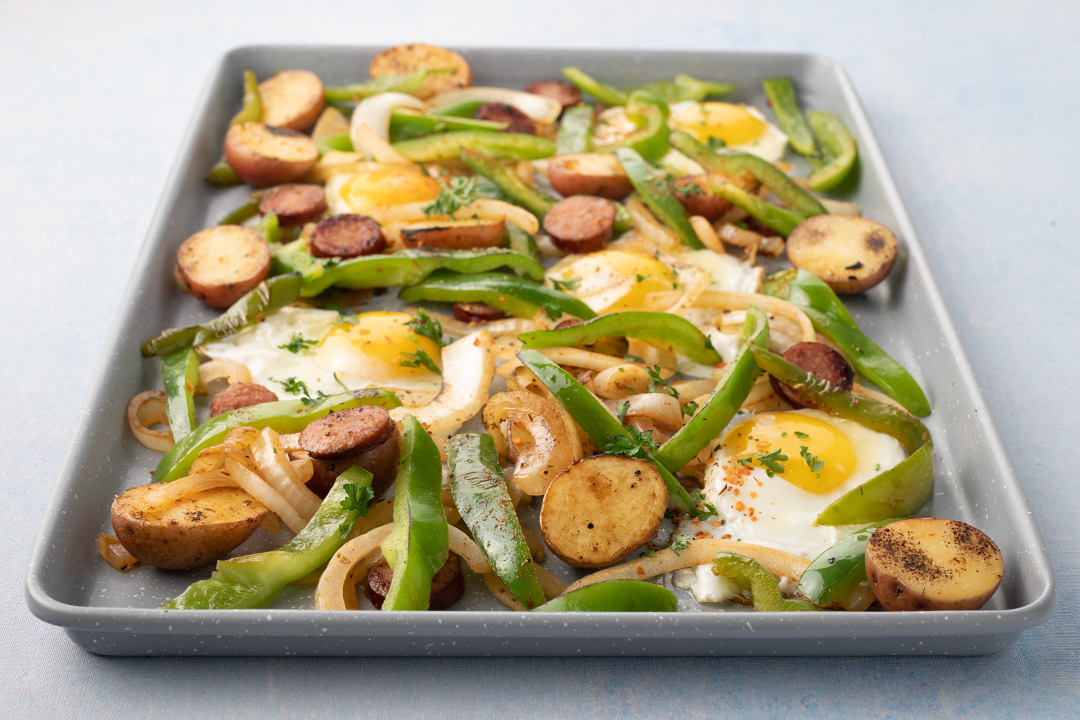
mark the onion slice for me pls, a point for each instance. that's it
(146, 409)
(538, 107)
(114, 553)
(374, 113)
(230, 370)
(274, 467)
(257, 488)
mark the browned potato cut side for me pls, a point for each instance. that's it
(222, 263)
(292, 99)
(264, 156)
(186, 532)
(932, 564)
(331, 122)
(598, 174)
(405, 59)
(455, 234)
(850, 254)
(602, 508)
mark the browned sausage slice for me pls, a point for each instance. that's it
(240, 395)
(691, 193)
(819, 360)
(364, 436)
(558, 90)
(295, 205)
(447, 586)
(347, 236)
(580, 224)
(477, 312)
(516, 121)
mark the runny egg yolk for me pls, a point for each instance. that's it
(388, 185)
(803, 442)
(375, 346)
(615, 280)
(731, 123)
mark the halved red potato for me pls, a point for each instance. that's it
(850, 254)
(222, 263)
(455, 234)
(262, 155)
(405, 59)
(292, 99)
(597, 174)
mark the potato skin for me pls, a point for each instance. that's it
(456, 234)
(221, 264)
(689, 191)
(262, 156)
(292, 99)
(850, 254)
(404, 59)
(190, 532)
(598, 174)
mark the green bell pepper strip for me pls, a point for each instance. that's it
(701, 89)
(834, 573)
(830, 318)
(665, 331)
(752, 575)
(738, 164)
(406, 267)
(726, 399)
(180, 370)
(479, 490)
(285, 416)
(448, 146)
(651, 140)
(269, 227)
(406, 83)
(460, 109)
(898, 492)
(253, 581)
(614, 596)
(513, 295)
(604, 93)
(341, 142)
(780, 219)
(268, 296)
(406, 124)
(595, 420)
(514, 190)
(241, 214)
(781, 94)
(839, 150)
(654, 192)
(420, 542)
(575, 131)
(520, 241)
(222, 174)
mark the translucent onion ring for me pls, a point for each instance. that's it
(146, 409)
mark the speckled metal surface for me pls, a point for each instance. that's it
(972, 105)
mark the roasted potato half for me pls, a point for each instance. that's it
(404, 59)
(598, 174)
(850, 254)
(222, 263)
(602, 508)
(186, 530)
(932, 564)
(455, 234)
(262, 155)
(292, 99)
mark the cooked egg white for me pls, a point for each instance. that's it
(367, 353)
(380, 186)
(726, 272)
(741, 127)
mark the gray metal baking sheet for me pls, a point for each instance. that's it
(115, 613)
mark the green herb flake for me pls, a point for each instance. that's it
(298, 343)
(459, 192)
(659, 384)
(424, 324)
(420, 358)
(679, 544)
(690, 408)
(567, 285)
(357, 500)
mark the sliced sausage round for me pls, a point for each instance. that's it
(363, 436)
(819, 360)
(477, 312)
(295, 205)
(347, 236)
(580, 224)
(447, 586)
(697, 200)
(516, 121)
(560, 91)
(240, 395)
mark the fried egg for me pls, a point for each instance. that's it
(772, 474)
(741, 127)
(374, 350)
(379, 186)
(614, 280)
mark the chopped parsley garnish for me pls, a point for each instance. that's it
(716, 143)
(298, 343)
(659, 384)
(877, 466)
(338, 381)
(460, 191)
(812, 461)
(552, 315)
(648, 553)
(679, 544)
(740, 223)
(567, 285)
(637, 445)
(692, 188)
(299, 387)
(642, 278)
(621, 407)
(424, 324)
(690, 408)
(357, 499)
(698, 499)
(419, 359)
(772, 462)
(801, 435)
(331, 263)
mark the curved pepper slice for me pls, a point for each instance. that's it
(480, 495)
(666, 331)
(655, 194)
(781, 94)
(406, 267)
(342, 142)
(407, 124)
(222, 174)
(241, 214)
(268, 296)
(575, 131)
(512, 187)
(285, 416)
(419, 543)
(402, 83)
(448, 146)
(839, 149)
(600, 424)
(253, 581)
(685, 88)
(614, 596)
(752, 575)
(730, 393)
(180, 371)
(835, 573)
(517, 296)
(520, 241)
(898, 492)
(830, 318)
(649, 113)
(604, 93)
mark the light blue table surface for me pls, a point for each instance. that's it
(976, 107)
